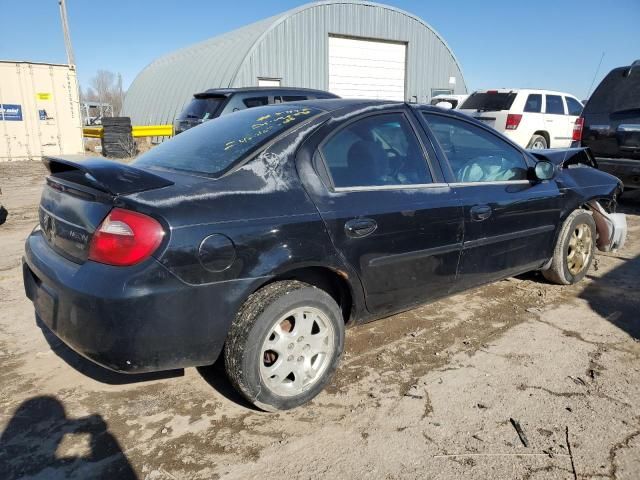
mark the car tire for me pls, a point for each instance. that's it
(538, 142)
(284, 345)
(574, 250)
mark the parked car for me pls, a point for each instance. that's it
(222, 101)
(454, 100)
(535, 119)
(261, 235)
(610, 124)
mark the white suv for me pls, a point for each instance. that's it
(531, 118)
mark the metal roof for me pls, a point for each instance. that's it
(162, 89)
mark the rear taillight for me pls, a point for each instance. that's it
(577, 129)
(125, 238)
(513, 120)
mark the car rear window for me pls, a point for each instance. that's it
(489, 101)
(618, 92)
(201, 108)
(213, 147)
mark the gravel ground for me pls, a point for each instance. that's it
(431, 393)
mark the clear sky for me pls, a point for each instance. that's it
(554, 44)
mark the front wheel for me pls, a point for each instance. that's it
(284, 345)
(574, 250)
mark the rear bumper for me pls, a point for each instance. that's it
(129, 319)
(626, 170)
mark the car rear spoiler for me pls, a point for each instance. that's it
(105, 175)
(563, 157)
(204, 95)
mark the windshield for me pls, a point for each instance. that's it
(201, 109)
(618, 92)
(489, 101)
(214, 146)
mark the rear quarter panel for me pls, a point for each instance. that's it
(261, 207)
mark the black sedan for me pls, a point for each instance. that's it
(261, 235)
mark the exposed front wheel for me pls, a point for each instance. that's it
(538, 142)
(284, 345)
(574, 250)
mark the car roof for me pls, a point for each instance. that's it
(450, 95)
(229, 91)
(524, 90)
(332, 104)
(339, 104)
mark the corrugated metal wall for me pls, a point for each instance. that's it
(296, 49)
(292, 46)
(162, 89)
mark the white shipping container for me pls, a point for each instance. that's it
(39, 111)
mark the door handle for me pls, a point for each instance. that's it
(360, 227)
(480, 213)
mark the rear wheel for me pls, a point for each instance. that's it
(574, 250)
(284, 345)
(538, 142)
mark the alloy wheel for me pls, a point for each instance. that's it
(297, 350)
(580, 249)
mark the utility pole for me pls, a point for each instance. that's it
(65, 30)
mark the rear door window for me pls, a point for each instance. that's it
(380, 150)
(574, 106)
(490, 101)
(202, 109)
(215, 146)
(534, 103)
(554, 105)
(255, 101)
(289, 98)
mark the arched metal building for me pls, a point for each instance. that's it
(351, 48)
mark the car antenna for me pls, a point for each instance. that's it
(595, 75)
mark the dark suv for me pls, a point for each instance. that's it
(610, 124)
(221, 101)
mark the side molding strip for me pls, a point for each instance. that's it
(481, 242)
(415, 255)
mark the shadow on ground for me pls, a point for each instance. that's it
(615, 297)
(94, 371)
(41, 440)
(216, 376)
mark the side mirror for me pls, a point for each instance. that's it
(544, 170)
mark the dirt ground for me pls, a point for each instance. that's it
(430, 393)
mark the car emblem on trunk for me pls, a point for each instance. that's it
(48, 226)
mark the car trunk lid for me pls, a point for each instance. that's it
(78, 195)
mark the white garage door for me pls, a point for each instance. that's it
(366, 68)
